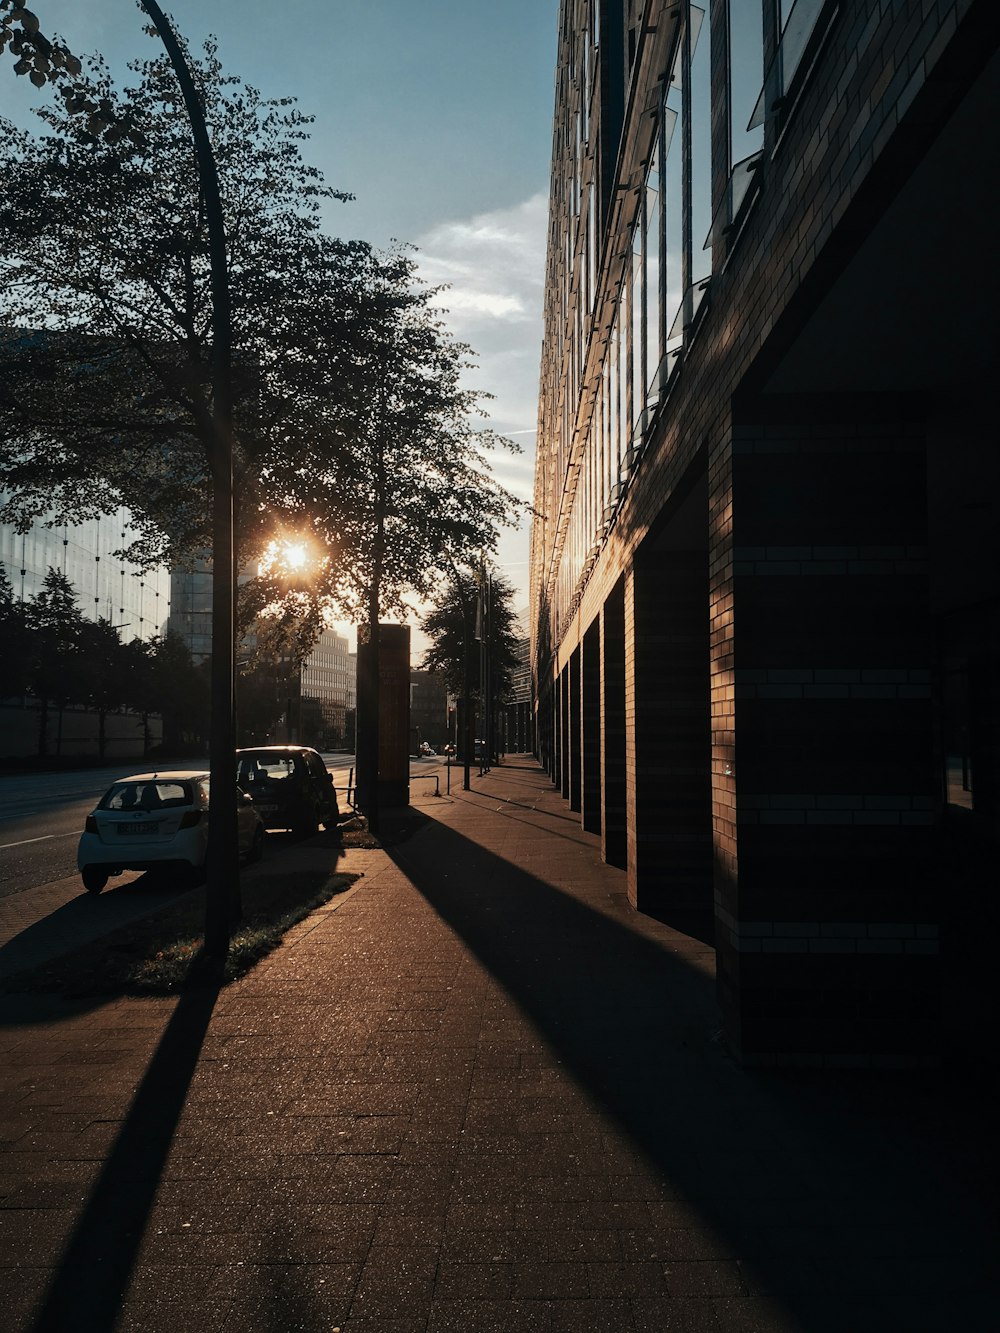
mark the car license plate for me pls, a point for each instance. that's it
(137, 828)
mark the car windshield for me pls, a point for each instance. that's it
(159, 794)
(265, 768)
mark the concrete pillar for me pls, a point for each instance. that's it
(574, 732)
(565, 748)
(613, 758)
(828, 930)
(591, 728)
(670, 833)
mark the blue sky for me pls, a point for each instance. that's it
(435, 114)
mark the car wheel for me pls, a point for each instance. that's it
(332, 818)
(257, 845)
(94, 878)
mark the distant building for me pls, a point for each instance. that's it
(429, 707)
(328, 699)
(517, 713)
(764, 574)
(136, 601)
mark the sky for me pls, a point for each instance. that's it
(435, 114)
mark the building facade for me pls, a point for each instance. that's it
(429, 711)
(328, 693)
(516, 713)
(765, 629)
(136, 601)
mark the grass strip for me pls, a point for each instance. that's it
(161, 953)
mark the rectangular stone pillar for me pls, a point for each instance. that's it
(565, 747)
(591, 728)
(613, 794)
(828, 949)
(575, 732)
(670, 869)
(393, 711)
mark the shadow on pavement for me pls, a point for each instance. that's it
(84, 918)
(852, 1200)
(94, 1272)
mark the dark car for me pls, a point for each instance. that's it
(290, 786)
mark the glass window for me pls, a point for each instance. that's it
(654, 331)
(604, 486)
(701, 148)
(673, 219)
(746, 77)
(638, 311)
(621, 438)
(591, 245)
(149, 795)
(613, 410)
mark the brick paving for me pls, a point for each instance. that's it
(476, 1092)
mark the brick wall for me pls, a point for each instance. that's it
(817, 633)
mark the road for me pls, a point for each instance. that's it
(42, 814)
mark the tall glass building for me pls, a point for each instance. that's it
(135, 601)
(764, 575)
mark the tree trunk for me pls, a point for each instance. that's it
(222, 899)
(368, 729)
(368, 736)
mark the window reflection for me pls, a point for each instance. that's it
(746, 75)
(654, 333)
(638, 311)
(673, 219)
(701, 148)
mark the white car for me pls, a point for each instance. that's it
(152, 820)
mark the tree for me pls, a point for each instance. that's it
(180, 689)
(13, 642)
(416, 491)
(54, 623)
(451, 624)
(472, 627)
(102, 681)
(181, 376)
(348, 413)
(138, 684)
(107, 390)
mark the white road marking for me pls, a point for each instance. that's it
(44, 838)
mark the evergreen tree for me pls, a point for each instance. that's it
(181, 690)
(13, 642)
(139, 684)
(455, 625)
(55, 623)
(102, 673)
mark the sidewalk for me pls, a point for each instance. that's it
(475, 1093)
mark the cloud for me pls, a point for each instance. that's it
(493, 267)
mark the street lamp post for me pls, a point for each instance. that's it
(222, 900)
(53, 62)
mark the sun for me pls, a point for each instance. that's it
(294, 555)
